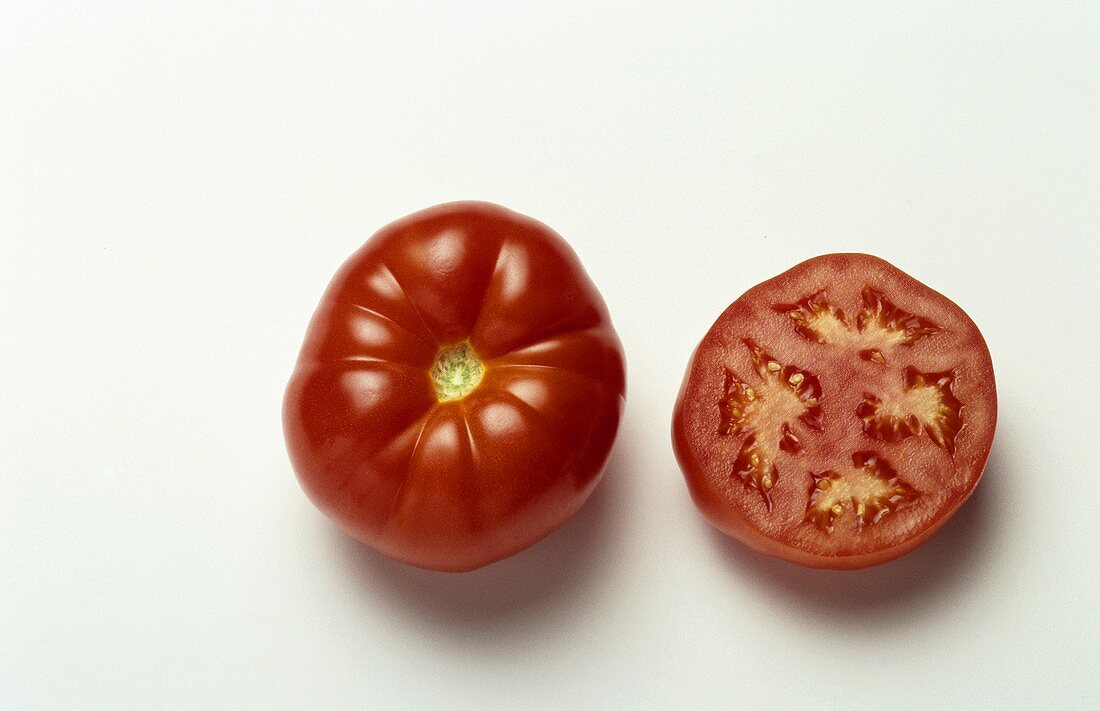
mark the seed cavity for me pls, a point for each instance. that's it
(879, 326)
(868, 491)
(926, 404)
(817, 319)
(882, 319)
(765, 413)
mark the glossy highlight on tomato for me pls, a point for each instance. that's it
(836, 415)
(458, 390)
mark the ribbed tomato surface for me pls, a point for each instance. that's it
(458, 390)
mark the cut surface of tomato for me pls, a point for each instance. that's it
(837, 414)
(458, 390)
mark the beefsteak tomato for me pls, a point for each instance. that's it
(458, 390)
(837, 414)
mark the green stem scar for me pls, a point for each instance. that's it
(456, 372)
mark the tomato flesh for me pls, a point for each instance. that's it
(458, 390)
(837, 414)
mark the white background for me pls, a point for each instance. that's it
(178, 185)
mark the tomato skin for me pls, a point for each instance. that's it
(737, 511)
(454, 485)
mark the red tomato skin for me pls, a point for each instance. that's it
(717, 509)
(455, 485)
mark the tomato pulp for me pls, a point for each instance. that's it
(837, 414)
(458, 390)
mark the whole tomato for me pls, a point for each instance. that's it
(458, 390)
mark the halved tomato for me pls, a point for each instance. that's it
(837, 414)
(458, 390)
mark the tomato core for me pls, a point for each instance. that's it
(457, 372)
